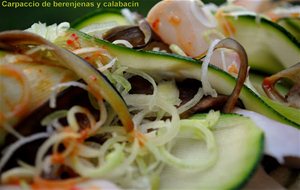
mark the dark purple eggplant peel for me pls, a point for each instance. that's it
(232, 44)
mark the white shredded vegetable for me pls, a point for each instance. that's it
(51, 32)
(98, 29)
(16, 145)
(130, 160)
(123, 42)
(177, 50)
(208, 90)
(23, 173)
(61, 85)
(11, 130)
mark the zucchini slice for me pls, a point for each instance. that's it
(269, 46)
(289, 112)
(183, 67)
(240, 146)
(292, 25)
(257, 80)
(100, 16)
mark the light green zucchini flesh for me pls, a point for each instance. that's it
(168, 65)
(100, 17)
(239, 144)
(290, 112)
(270, 48)
(292, 25)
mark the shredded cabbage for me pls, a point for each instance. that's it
(51, 32)
(208, 90)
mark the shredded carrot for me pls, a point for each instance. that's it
(295, 15)
(139, 136)
(14, 180)
(84, 134)
(66, 184)
(228, 29)
(2, 117)
(57, 158)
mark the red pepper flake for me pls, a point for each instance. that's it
(73, 41)
(267, 84)
(70, 42)
(155, 25)
(75, 36)
(84, 134)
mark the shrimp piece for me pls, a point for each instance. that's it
(184, 23)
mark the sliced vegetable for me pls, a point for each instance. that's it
(292, 25)
(257, 80)
(264, 42)
(97, 22)
(289, 112)
(179, 67)
(37, 77)
(99, 86)
(100, 16)
(239, 146)
(243, 70)
(292, 97)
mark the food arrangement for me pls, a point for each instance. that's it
(190, 94)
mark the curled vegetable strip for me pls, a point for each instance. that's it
(54, 139)
(23, 173)
(11, 149)
(99, 86)
(72, 120)
(238, 48)
(291, 73)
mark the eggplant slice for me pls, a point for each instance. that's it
(98, 84)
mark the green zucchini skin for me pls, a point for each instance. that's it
(292, 25)
(99, 16)
(270, 47)
(290, 112)
(184, 67)
(240, 169)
